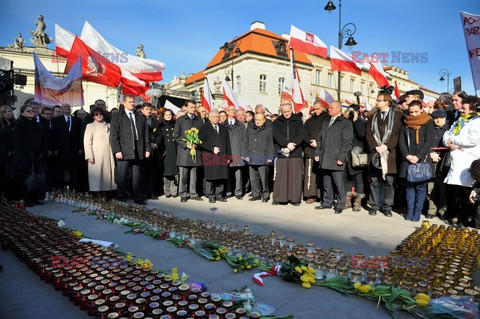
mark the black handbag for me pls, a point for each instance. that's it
(35, 182)
(418, 172)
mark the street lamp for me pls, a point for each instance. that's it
(445, 73)
(348, 29)
(237, 52)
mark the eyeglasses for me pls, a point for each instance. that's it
(97, 114)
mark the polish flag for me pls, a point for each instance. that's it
(206, 96)
(297, 95)
(347, 102)
(377, 72)
(95, 68)
(63, 41)
(147, 70)
(132, 85)
(342, 61)
(286, 95)
(325, 97)
(397, 91)
(307, 42)
(229, 95)
(367, 105)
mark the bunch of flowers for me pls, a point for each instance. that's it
(77, 233)
(240, 264)
(192, 139)
(209, 250)
(295, 269)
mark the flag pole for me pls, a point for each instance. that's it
(292, 58)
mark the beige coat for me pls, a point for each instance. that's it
(97, 146)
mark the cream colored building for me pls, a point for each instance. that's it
(260, 60)
(23, 64)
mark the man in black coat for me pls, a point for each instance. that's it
(288, 135)
(152, 164)
(333, 144)
(216, 153)
(186, 165)
(258, 152)
(47, 123)
(311, 191)
(67, 148)
(129, 139)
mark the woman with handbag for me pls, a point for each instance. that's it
(29, 158)
(416, 139)
(7, 122)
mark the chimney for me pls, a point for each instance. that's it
(286, 36)
(257, 25)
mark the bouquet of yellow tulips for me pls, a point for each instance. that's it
(192, 139)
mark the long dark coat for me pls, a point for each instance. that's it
(391, 143)
(334, 143)
(67, 143)
(31, 146)
(122, 136)
(183, 124)
(168, 148)
(237, 134)
(288, 131)
(215, 166)
(420, 150)
(258, 144)
(6, 143)
(312, 128)
(155, 136)
(359, 132)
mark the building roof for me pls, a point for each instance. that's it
(195, 77)
(258, 41)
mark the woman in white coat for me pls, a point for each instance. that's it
(463, 139)
(98, 153)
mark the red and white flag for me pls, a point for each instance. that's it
(297, 94)
(343, 62)
(147, 70)
(307, 42)
(206, 96)
(51, 90)
(95, 67)
(397, 91)
(377, 72)
(63, 41)
(229, 95)
(325, 97)
(132, 85)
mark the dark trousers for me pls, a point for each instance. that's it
(458, 204)
(259, 181)
(122, 178)
(215, 188)
(150, 174)
(355, 181)
(376, 185)
(235, 180)
(416, 194)
(331, 177)
(67, 174)
(187, 173)
(169, 186)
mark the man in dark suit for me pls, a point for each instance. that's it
(333, 144)
(67, 148)
(47, 124)
(129, 139)
(187, 166)
(215, 156)
(152, 164)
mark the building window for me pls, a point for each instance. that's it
(370, 89)
(263, 83)
(238, 83)
(362, 87)
(281, 82)
(318, 74)
(330, 80)
(342, 82)
(352, 85)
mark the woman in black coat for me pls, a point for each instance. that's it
(31, 147)
(416, 139)
(6, 145)
(355, 175)
(169, 151)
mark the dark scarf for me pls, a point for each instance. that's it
(416, 122)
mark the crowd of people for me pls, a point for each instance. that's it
(405, 155)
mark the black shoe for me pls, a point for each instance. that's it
(387, 213)
(296, 204)
(183, 199)
(323, 207)
(252, 199)
(338, 211)
(222, 199)
(174, 196)
(211, 200)
(168, 196)
(265, 200)
(372, 212)
(429, 216)
(198, 198)
(239, 197)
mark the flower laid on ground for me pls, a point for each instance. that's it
(240, 264)
(362, 288)
(176, 277)
(147, 264)
(209, 250)
(422, 300)
(139, 262)
(295, 269)
(192, 139)
(77, 233)
(177, 242)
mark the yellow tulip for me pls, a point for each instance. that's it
(357, 285)
(303, 268)
(235, 270)
(147, 264)
(306, 285)
(304, 278)
(298, 269)
(139, 261)
(365, 288)
(175, 274)
(311, 270)
(422, 297)
(422, 302)
(129, 257)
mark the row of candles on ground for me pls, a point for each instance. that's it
(100, 281)
(424, 244)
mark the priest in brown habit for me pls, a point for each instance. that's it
(288, 134)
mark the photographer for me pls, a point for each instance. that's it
(355, 175)
(475, 193)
